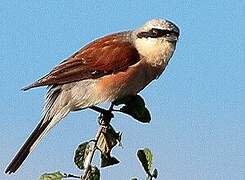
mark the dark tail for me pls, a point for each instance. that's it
(55, 109)
(26, 148)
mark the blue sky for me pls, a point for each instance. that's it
(197, 129)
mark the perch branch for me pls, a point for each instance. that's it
(104, 118)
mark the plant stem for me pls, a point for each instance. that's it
(105, 119)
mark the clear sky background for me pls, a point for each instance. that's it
(198, 127)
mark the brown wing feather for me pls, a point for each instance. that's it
(104, 56)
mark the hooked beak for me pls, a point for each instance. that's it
(172, 37)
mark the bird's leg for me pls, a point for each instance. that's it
(98, 109)
(107, 114)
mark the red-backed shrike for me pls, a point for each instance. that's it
(108, 68)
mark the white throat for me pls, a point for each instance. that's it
(156, 51)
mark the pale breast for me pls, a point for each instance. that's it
(110, 87)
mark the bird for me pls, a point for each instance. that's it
(104, 70)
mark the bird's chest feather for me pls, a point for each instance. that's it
(128, 82)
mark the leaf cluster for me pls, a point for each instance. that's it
(108, 139)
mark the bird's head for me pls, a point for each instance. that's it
(156, 39)
(159, 29)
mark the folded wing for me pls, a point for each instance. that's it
(104, 56)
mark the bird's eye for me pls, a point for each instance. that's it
(155, 32)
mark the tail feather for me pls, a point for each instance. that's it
(55, 109)
(27, 147)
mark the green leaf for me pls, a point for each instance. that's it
(124, 100)
(94, 173)
(135, 107)
(107, 160)
(52, 176)
(81, 154)
(108, 139)
(145, 157)
(155, 173)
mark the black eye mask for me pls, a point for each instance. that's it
(155, 33)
